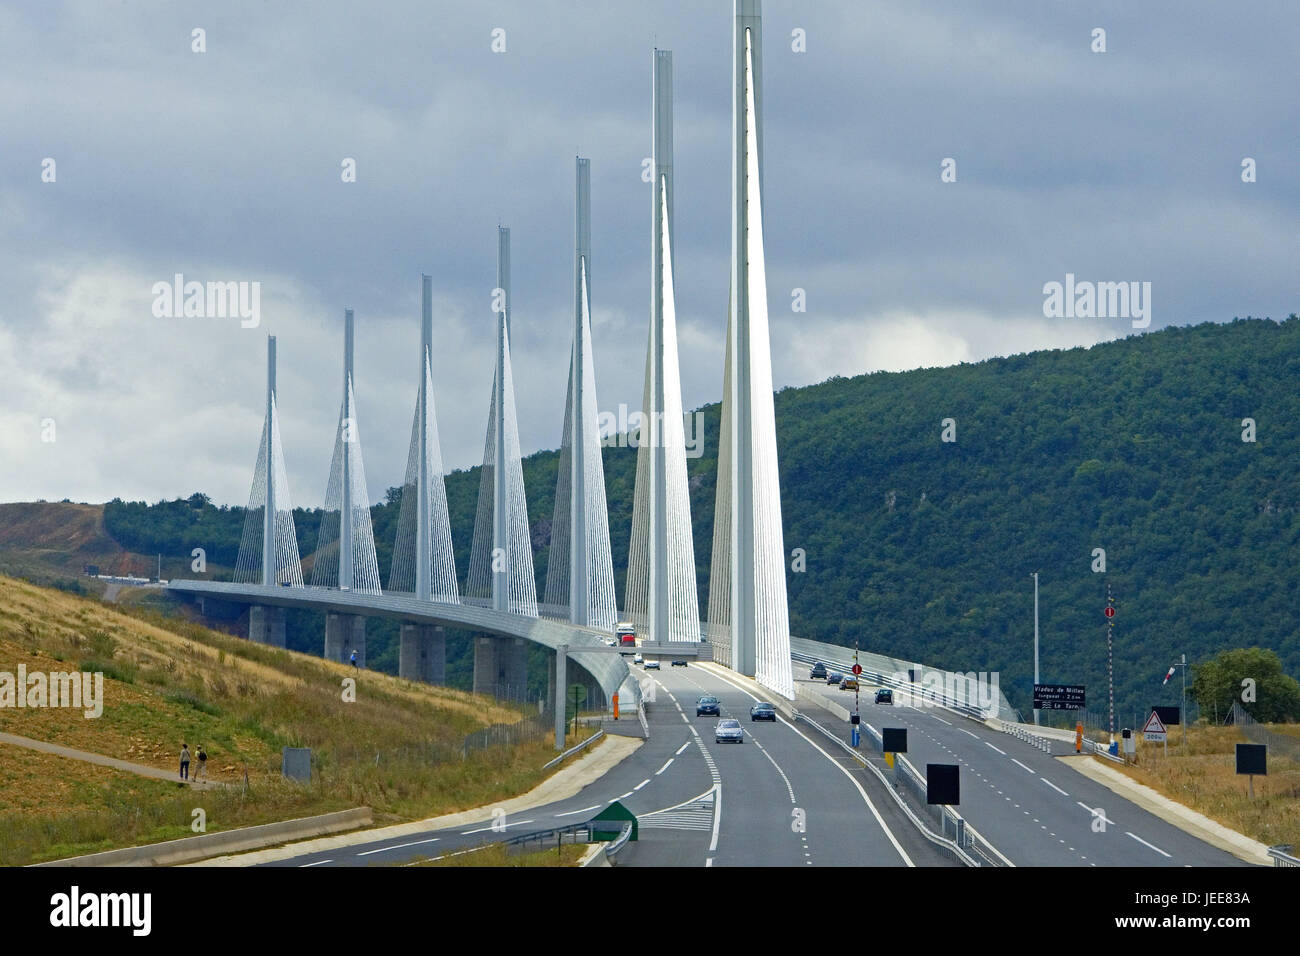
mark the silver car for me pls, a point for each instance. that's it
(729, 731)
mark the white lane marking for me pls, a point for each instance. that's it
(696, 733)
(717, 816)
(1054, 786)
(517, 823)
(965, 731)
(665, 766)
(685, 718)
(987, 744)
(709, 861)
(1097, 812)
(623, 795)
(941, 720)
(683, 747)
(788, 786)
(641, 784)
(569, 813)
(400, 846)
(1145, 843)
(317, 863)
(1022, 766)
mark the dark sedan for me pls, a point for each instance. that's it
(763, 711)
(708, 707)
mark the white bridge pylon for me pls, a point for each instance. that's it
(747, 589)
(662, 599)
(580, 570)
(268, 549)
(501, 559)
(423, 561)
(345, 549)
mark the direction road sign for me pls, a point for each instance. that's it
(1154, 729)
(1059, 697)
(857, 669)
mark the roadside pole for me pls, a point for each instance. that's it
(1035, 577)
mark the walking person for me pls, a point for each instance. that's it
(185, 761)
(202, 772)
(354, 659)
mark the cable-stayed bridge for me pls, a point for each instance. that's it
(748, 621)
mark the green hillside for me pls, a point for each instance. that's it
(924, 548)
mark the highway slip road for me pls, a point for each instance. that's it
(778, 799)
(1033, 807)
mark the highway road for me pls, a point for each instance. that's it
(1033, 807)
(778, 799)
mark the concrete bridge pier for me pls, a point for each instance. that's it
(343, 634)
(501, 666)
(422, 654)
(266, 625)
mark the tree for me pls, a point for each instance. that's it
(1251, 676)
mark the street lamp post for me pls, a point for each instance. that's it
(1035, 577)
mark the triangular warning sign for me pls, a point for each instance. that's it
(1154, 725)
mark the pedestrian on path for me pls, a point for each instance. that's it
(202, 773)
(185, 761)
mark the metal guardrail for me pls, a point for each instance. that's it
(1281, 855)
(573, 750)
(620, 841)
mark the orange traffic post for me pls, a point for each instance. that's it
(1078, 738)
(616, 706)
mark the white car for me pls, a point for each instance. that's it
(652, 665)
(729, 729)
(638, 659)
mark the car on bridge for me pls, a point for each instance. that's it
(638, 659)
(849, 683)
(834, 677)
(708, 707)
(652, 665)
(762, 711)
(728, 731)
(818, 672)
(884, 696)
(679, 663)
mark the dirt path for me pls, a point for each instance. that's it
(136, 768)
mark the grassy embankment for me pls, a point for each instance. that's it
(1202, 775)
(397, 748)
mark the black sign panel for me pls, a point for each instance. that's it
(941, 784)
(893, 740)
(1058, 697)
(1252, 759)
(1169, 716)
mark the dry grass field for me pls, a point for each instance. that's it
(397, 748)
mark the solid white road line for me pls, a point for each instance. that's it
(504, 826)
(717, 816)
(666, 766)
(1145, 843)
(987, 744)
(1054, 786)
(1019, 764)
(317, 863)
(941, 720)
(569, 813)
(965, 731)
(400, 846)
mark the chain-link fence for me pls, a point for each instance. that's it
(1282, 744)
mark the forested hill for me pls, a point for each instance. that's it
(924, 548)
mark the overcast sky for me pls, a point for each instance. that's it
(225, 166)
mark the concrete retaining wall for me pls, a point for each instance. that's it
(193, 848)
